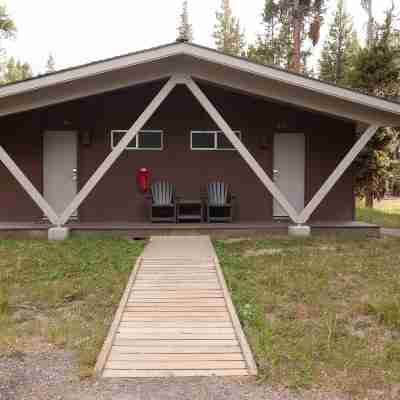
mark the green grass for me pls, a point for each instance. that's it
(320, 312)
(385, 213)
(64, 293)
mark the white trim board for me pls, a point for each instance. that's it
(197, 53)
(27, 185)
(225, 128)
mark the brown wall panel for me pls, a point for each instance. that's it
(116, 198)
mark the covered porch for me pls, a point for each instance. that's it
(177, 90)
(222, 230)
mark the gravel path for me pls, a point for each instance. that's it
(51, 374)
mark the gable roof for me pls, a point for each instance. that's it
(202, 63)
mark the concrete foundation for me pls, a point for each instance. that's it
(299, 230)
(58, 233)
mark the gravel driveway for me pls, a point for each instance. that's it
(51, 374)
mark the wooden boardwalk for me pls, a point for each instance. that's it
(176, 317)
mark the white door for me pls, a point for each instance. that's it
(60, 157)
(289, 169)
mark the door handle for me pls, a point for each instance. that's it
(75, 174)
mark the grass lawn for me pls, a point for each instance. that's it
(64, 293)
(322, 312)
(386, 213)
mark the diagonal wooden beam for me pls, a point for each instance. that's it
(337, 173)
(116, 152)
(27, 185)
(246, 155)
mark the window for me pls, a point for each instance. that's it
(144, 140)
(211, 140)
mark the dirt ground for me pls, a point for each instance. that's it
(49, 373)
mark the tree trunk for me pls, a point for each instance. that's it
(369, 200)
(297, 28)
(370, 26)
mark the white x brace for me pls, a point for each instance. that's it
(298, 218)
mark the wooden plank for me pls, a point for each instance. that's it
(124, 334)
(173, 324)
(178, 301)
(177, 330)
(170, 349)
(174, 291)
(138, 296)
(236, 323)
(110, 373)
(182, 343)
(206, 275)
(166, 274)
(167, 308)
(180, 267)
(177, 319)
(105, 351)
(178, 286)
(150, 313)
(181, 281)
(167, 365)
(176, 357)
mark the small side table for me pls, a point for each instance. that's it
(189, 210)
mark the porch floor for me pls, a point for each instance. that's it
(176, 317)
(148, 229)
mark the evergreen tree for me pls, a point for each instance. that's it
(274, 45)
(228, 35)
(50, 64)
(287, 25)
(367, 6)
(377, 72)
(7, 26)
(185, 30)
(339, 48)
(16, 71)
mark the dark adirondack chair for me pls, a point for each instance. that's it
(219, 202)
(163, 204)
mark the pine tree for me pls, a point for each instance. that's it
(228, 35)
(339, 48)
(50, 64)
(287, 25)
(185, 30)
(377, 72)
(367, 6)
(7, 26)
(16, 71)
(306, 18)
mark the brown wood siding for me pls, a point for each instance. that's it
(116, 198)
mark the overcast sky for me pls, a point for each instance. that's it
(80, 31)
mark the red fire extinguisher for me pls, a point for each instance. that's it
(143, 179)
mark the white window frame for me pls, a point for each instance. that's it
(215, 148)
(114, 131)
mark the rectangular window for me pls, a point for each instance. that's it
(202, 140)
(211, 140)
(144, 140)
